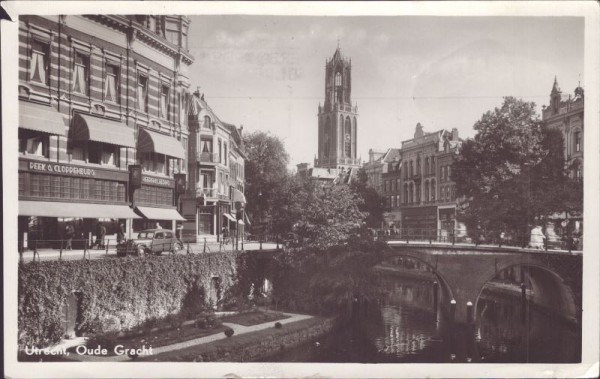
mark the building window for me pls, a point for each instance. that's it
(142, 93)
(164, 102)
(220, 152)
(33, 143)
(427, 166)
(156, 163)
(172, 32)
(81, 70)
(433, 190)
(206, 123)
(426, 191)
(338, 79)
(38, 68)
(418, 165)
(577, 141)
(103, 153)
(111, 83)
(225, 156)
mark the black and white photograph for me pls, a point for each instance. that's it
(293, 189)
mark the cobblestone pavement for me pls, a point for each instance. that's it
(238, 329)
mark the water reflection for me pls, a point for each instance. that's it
(406, 327)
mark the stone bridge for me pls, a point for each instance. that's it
(463, 271)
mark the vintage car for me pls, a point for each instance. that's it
(151, 241)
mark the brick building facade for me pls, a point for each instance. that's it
(98, 94)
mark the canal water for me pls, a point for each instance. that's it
(405, 328)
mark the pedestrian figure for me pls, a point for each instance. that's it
(100, 233)
(179, 231)
(225, 234)
(69, 233)
(121, 233)
(537, 238)
(158, 225)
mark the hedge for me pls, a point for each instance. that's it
(117, 294)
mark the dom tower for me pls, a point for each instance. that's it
(337, 117)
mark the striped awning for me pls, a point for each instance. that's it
(78, 210)
(229, 217)
(41, 118)
(149, 141)
(152, 213)
(90, 128)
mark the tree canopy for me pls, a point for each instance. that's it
(265, 173)
(512, 171)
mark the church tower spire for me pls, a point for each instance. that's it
(337, 116)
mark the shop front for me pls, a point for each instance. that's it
(155, 201)
(447, 223)
(419, 223)
(54, 194)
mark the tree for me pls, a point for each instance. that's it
(330, 215)
(265, 173)
(511, 172)
(373, 205)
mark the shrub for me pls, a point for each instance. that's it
(229, 332)
(106, 341)
(278, 325)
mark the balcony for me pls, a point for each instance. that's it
(207, 158)
(211, 194)
(207, 193)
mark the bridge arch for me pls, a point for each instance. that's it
(443, 283)
(549, 289)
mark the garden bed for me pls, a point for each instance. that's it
(156, 337)
(254, 318)
(249, 347)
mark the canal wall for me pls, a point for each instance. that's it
(58, 299)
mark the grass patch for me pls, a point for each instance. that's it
(153, 339)
(254, 318)
(222, 349)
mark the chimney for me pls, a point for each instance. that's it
(454, 134)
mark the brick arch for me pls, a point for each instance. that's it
(549, 286)
(444, 285)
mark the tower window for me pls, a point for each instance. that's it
(577, 140)
(338, 79)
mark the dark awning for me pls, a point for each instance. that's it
(90, 128)
(160, 213)
(41, 118)
(77, 210)
(149, 141)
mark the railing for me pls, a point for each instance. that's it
(59, 249)
(537, 240)
(207, 157)
(210, 193)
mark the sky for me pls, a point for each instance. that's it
(267, 72)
